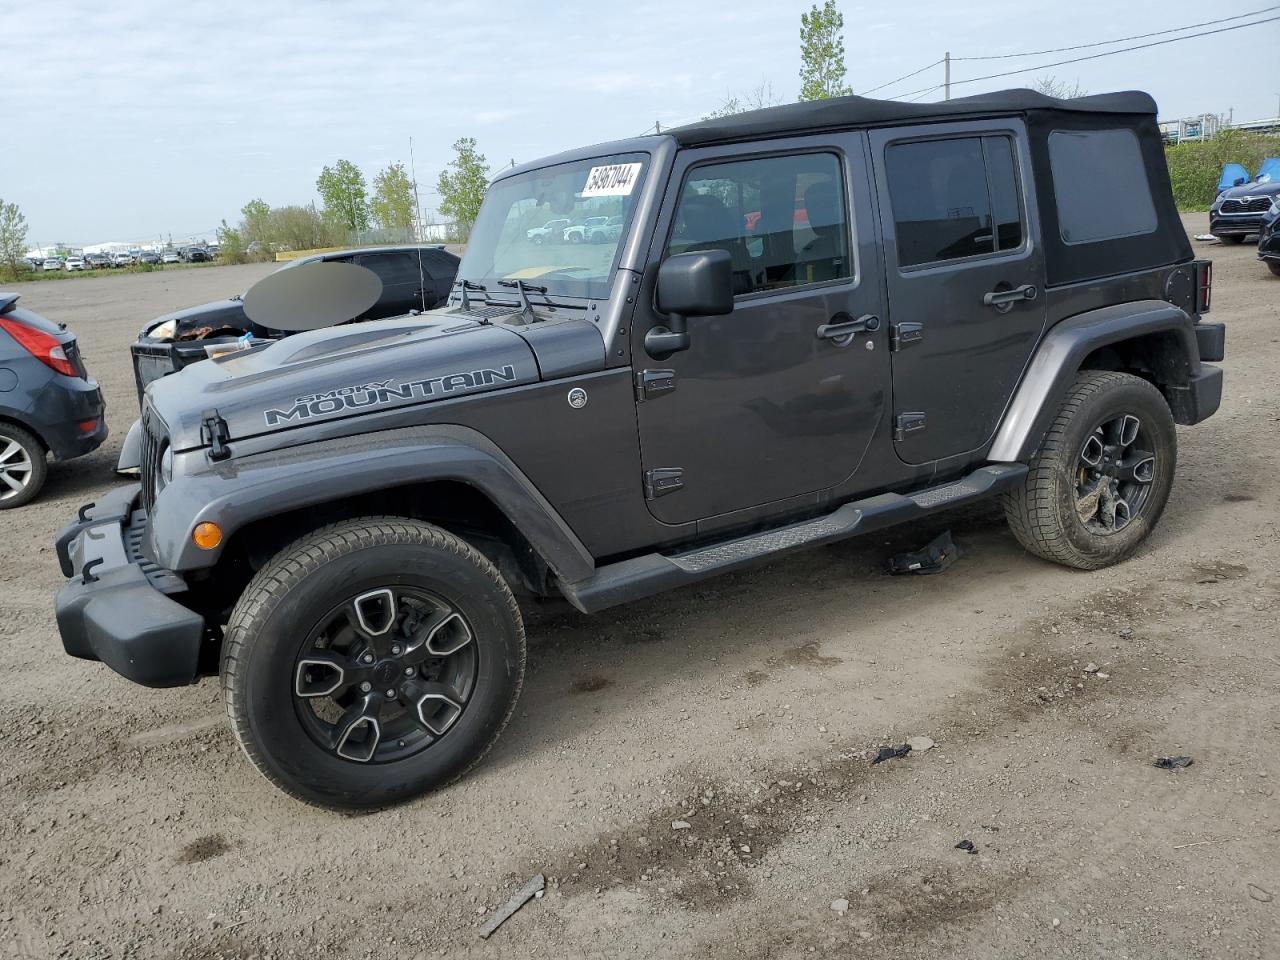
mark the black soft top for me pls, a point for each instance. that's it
(840, 112)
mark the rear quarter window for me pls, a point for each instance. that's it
(1100, 185)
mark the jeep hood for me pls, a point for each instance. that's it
(346, 371)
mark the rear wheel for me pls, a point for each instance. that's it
(23, 467)
(372, 661)
(1101, 478)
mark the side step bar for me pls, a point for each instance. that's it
(654, 572)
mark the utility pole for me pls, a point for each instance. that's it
(657, 126)
(946, 75)
(417, 232)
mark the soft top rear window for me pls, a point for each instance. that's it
(1100, 185)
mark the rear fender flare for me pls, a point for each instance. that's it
(1065, 347)
(238, 492)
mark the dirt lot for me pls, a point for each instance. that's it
(746, 707)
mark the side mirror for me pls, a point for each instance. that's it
(1240, 182)
(696, 284)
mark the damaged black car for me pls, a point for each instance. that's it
(413, 278)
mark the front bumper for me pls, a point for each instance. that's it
(1235, 224)
(117, 606)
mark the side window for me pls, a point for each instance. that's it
(953, 198)
(1100, 185)
(392, 267)
(782, 219)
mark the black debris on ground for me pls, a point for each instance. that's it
(1173, 763)
(934, 558)
(967, 846)
(892, 753)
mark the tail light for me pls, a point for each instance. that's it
(1204, 284)
(40, 345)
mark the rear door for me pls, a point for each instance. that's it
(965, 278)
(401, 282)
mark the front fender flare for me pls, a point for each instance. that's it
(238, 492)
(1064, 348)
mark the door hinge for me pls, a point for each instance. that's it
(905, 335)
(214, 432)
(661, 481)
(907, 423)
(654, 383)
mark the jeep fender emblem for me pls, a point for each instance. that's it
(577, 398)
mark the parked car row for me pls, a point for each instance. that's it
(588, 230)
(202, 253)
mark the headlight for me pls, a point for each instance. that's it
(166, 466)
(164, 331)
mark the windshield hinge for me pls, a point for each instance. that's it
(215, 433)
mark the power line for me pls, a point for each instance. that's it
(1094, 56)
(905, 76)
(1103, 43)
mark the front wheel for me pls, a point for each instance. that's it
(1274, 268)
(1101, 478)
(372, 661)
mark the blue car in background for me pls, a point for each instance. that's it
(49, 405)
(1239, 210)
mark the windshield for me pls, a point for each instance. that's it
(559, 227)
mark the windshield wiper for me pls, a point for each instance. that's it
(524, 288)
(465, 302)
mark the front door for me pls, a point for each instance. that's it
(769, 402)
(965, 279)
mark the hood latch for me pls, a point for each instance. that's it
(215, 433)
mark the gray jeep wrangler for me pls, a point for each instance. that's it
(817, 320)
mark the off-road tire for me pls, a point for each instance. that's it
(34, 453)
(1041, 510)
(268, 626)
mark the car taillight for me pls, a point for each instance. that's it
(1204, 284)
(40, 345)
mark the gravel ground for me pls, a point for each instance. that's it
(746, 708)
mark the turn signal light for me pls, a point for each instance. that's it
(206, 535)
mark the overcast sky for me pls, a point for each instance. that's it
(137, 120)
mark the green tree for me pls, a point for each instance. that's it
(304, 228)
(13, 237)
(342, 189)
(255, 223)
(392, 203)
(822, 53)
(462, 186)
(230, 244)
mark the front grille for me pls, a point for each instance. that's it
(152, 444)
(1246, 205)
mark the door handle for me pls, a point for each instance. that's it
(842, 325)
(998, 298)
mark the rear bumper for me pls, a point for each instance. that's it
(1199, 399)
(62, 406)
(117, 607)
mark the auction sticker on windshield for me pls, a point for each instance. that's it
(613, 180)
